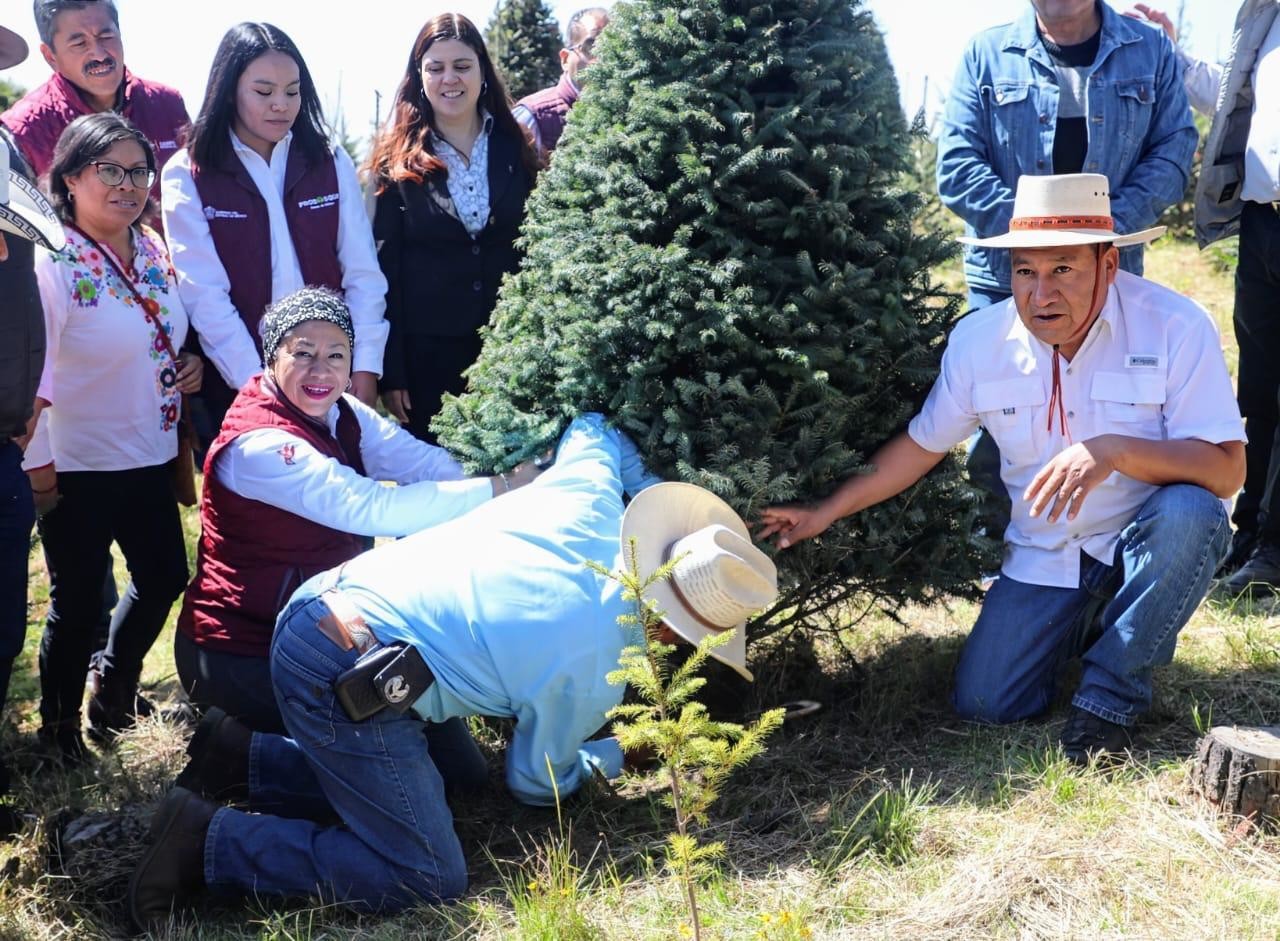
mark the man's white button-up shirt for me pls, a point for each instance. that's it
(1151, 366)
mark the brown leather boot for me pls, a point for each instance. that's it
(172, 871)
(219, 763)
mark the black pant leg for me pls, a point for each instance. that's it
(76, 535)
(434, 367)
(239, 685)
(1257, 327)
(146, 525)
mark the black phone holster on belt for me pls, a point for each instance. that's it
(389, 677)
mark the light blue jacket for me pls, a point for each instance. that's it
(1002, 113)
(501, 604)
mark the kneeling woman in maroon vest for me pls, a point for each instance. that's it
(452, 172)
(261, 204)
(291, 484)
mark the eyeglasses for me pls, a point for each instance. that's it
(113, 174)
(586, 48)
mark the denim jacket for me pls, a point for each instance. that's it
(1218, 202)
(1002, 113)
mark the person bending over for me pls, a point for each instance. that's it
(496, 613)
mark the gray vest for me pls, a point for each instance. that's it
(1218, 202)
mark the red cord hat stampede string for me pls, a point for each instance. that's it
(1095, 308)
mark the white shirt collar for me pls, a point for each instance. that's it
(241, 148)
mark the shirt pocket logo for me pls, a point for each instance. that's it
(1007, 409)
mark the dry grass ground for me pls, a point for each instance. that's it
(883, 816)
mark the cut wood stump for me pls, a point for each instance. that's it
(1238, 771)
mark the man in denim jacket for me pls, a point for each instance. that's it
(1028, 100)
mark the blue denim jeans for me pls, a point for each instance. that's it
(1122, 620)
(395, 847)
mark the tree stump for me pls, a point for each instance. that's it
(1238, 771)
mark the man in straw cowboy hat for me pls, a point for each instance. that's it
(494, 613)
(26, 220)
(1119, 440)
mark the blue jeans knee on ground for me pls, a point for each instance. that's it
(1122, 620)
(396, 847)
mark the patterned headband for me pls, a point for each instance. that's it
(299, 307)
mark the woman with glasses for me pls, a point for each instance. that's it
(261, 204)
(452, 171)
(99, 459)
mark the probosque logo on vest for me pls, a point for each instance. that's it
(319, 202)
(210, 213)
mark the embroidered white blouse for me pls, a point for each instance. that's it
(108, 373)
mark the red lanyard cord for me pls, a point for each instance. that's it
(1056, 399)
(150, 306)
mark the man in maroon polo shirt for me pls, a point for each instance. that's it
(80, 39)
(543, 114)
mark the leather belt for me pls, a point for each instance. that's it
(344, 624)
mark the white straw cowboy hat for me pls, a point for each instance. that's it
(1068, 209)
(13, 48)
(721, 579)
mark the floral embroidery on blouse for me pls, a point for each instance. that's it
(92, 276)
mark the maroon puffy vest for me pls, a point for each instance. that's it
(241, 229)
(550, 108)
(252, 555)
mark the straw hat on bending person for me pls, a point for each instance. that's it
(720, 580)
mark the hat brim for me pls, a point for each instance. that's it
(13, 48)
(656, 517)
(1052, 238)
(29, 215)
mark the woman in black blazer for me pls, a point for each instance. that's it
(452, 172)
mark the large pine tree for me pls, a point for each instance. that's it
(524, 43)
(721, 258)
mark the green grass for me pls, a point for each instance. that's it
(883, 816)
